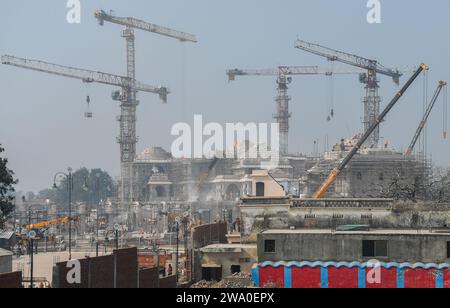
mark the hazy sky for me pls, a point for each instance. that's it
(42, 124)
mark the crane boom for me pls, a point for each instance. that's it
(87, 76)
(424, 121)
(371, 100)
(102, 16)
(347, 58)
(335, 172)
(287, 71)
(43, 224)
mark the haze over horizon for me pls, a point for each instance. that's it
(42, 124)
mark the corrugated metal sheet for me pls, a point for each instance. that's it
(351, 275)
(6, 235)
(4, 252)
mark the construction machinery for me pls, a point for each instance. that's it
(128, 86)
(321, 192)
(128, 138)
(372, 99)
(282, 100)
(86, 76)
(441, 85)
(45, 224)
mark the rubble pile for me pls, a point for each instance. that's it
(241, 275)
(203, 284)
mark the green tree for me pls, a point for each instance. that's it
(89, 186)
(7, 183)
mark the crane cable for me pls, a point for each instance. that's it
(331, 88)
(183, 82)
(88, 113)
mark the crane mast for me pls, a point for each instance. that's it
(282, 100)
(371, 100)
(128, 138)
(423, 123)
(322, 191)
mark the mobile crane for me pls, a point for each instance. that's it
(441, 85)
(44, 224)
(321, 192)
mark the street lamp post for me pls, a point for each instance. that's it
(98, 211)
(69, 178)
(30, 244)
(97, 189)
(177, 226)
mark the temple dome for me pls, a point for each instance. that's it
(154, 153)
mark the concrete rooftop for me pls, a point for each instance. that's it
(371, 232)
(227, 248)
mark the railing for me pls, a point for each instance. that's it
(342, 203)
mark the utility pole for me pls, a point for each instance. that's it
(117, 239)
(98, 211)
(14, 222)
(31, 263)
(69, 180)
(186, 252)
(70, 187)
(30, 243)
(177, 226)
(116, 235)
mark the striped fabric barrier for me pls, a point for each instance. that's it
(350, 275)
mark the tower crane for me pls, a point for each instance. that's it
(441, 85)
(127, 84)
(322, 191)
(282, 100)
(372, 99)
(128, 139)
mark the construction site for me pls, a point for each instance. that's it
(316, 220)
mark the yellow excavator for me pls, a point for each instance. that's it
(322, 191)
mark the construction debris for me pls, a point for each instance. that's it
(235, 281)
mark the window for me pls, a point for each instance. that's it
(372, 249)
(269, 246)
(235, 269)
(338, 216)
(212, 273)
(381, 177)
(366, 216)
(260, 189)
(359, 176)
(448, 250)
(160, 192)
